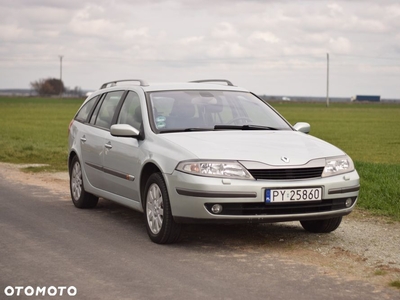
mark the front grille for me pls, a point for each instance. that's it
(286, 174)
(274, 209)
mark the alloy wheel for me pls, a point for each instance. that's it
(154, 208)
(76, 181)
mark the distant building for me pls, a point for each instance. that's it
(369, 98)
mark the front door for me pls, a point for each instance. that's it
(123, 155)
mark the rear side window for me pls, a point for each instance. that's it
(107, 109)
(85, 110)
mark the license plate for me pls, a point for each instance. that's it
(292, 195)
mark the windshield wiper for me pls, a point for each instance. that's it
(221, 127)
(197, 129)
(186, 130)
(243, 127)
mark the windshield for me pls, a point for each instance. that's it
(208, 110)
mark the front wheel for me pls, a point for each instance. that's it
(160, 224)
(321, 226)
(80, 197)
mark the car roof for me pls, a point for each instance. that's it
(207, 84)
(189, 86)
(210, 85)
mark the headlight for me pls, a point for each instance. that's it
(337, 165)
(227, 169)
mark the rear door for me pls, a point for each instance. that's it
(86, 137)
(94, 136)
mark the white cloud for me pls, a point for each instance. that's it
(250, 41)
(266, 37)
(227, 50)
(335, 9)
(224, 30)
(365, 25)
(142, 32)
(191, 40)
(340, 45)
(11, 32)
(89, 22)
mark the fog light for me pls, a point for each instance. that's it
(216, 208)
(348, 202)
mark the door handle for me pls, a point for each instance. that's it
(83, 139)
(108, 145)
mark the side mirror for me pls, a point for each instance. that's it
(302, 127)
(124, 130)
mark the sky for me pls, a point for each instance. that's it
(266, 46)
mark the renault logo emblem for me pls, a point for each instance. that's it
(285, 159)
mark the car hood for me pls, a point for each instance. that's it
(262, 146)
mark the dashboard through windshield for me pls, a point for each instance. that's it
(191, 110)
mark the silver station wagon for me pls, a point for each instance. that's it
(204, 152)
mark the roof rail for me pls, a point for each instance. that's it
(114, 83)
(214, 80)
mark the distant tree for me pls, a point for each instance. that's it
(48, 87)
(77, 92)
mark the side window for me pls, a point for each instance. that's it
(85, 110)
(130, 111)
(107, 109)
(96, 110)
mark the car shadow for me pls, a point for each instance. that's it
(286, 235)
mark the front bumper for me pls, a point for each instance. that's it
(243, 201)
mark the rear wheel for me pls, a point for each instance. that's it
(80, 197)
(160, 224)
(321, 226)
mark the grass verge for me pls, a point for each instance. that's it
(34, 130)
(380, 188)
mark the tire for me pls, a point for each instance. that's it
(79, 196)
(160, 224)
(322, 226)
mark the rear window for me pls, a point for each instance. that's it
(107, 109)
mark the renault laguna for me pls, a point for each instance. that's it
(204, 151)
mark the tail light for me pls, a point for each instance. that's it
(69, 127)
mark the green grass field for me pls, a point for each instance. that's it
(370, 134)
(34, 130)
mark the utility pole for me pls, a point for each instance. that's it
(61, 57)
(327, 80)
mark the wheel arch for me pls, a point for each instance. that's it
(71, 156)
(148, 169)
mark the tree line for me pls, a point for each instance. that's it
(53, 87)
